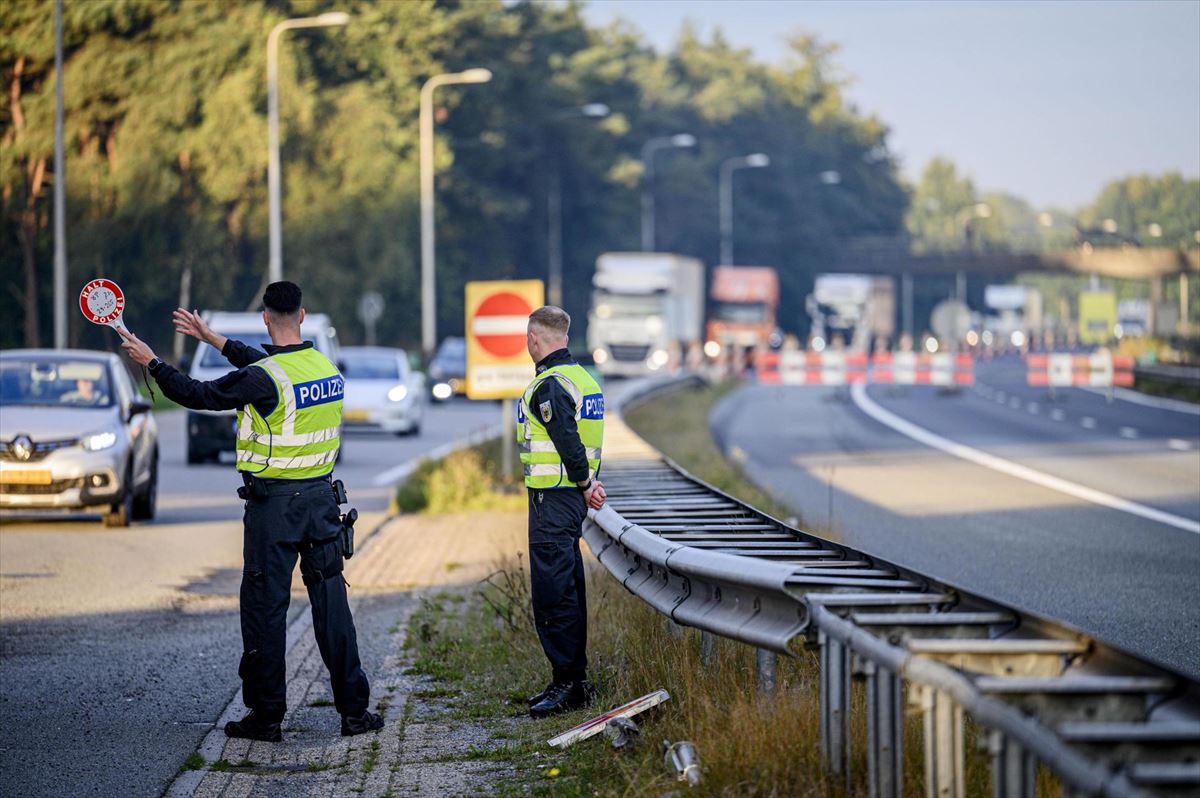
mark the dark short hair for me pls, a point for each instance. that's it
(282, 297)
(552, 319)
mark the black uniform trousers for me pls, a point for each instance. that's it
(556, 570)
(296, 519)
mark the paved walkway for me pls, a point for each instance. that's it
(419, 752)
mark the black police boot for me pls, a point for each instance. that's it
(367, 722)
(589, 690)
(560, 698)
(255, 726)
(538, 698)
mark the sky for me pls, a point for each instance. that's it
(1046, 100)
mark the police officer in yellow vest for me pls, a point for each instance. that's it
(289, 402)
(560, 432)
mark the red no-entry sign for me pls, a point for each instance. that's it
(498, 366)
(500, 323)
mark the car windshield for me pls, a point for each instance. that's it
(370, 366)
(452, 352)
(212, 359)
(56, 382)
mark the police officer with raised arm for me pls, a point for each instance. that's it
(560, 431)
(289, 403)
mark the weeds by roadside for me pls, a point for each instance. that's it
(465, 480)
(485, 659)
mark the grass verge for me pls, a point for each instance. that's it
(677, 425)
(469, 479)
(484, 655)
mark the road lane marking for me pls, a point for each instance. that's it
(1015, 402)
(1087, 422)
(1179, 445)
(1032, 407)
(1057, 415)
(1157, 402)
(1127, 432)
(867, 405)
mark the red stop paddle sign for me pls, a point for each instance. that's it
(102, 302)
(500, 322)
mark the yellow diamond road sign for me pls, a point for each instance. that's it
(498, 365)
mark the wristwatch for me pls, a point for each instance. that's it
(153, 364)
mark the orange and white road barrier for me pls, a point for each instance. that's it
(1064, 370)
(918, 368)
(798, 367)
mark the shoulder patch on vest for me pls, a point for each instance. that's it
(544, 407)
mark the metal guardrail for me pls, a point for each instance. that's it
(1170, 373)
(1106, 722)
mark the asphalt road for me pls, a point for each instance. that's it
(1105, 535)
(119, 647)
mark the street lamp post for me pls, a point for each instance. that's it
(756, 160)
(648, 150)
(428, 293)
(274, 190)
(554, 232)
(978, 210)
(60, 195)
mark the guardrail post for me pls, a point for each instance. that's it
(766, 670)
(885, 733)
(708, 647)
(1013, 769)
(835, 704)
(943, 722)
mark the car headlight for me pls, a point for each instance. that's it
(398, 393)
(442, 391)
(600, 357)
(98, 441)
(659, 358)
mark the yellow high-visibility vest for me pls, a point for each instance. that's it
(542, 462)
(301, 436)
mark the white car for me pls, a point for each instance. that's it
(75, 436)
(382, 391)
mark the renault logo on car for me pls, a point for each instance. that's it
(22, 447)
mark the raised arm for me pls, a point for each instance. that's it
(239, 355)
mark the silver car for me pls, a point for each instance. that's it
(75, 436)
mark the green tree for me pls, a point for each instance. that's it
(1162, 210)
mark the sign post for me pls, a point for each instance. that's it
(103, 302)
(370, 310)
(498, 364)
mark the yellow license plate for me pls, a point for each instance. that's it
(25, 477)
(355, 415)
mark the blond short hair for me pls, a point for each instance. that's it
(552, 319)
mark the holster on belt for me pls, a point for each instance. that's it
(251, 488)
(348, 519)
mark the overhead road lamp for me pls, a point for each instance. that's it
(648, 149)
(428, 293)
(756, 160)
(274, 190)
(554, 234)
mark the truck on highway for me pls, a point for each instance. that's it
(743, 303)
(857, 309)
(647, 310)
(1014, 317)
